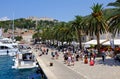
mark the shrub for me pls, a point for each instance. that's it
(18, 38)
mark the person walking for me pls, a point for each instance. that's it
(56, 54)
(69, 60)
(77, 57)
(47, 50)
(65, 57)
(72, 59)
(85, 59)
(53, 54)
(103, 56)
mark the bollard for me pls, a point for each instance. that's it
(51, 64)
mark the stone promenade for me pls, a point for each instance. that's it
(107, 70)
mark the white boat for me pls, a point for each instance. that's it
(7, 47)
(25, 60)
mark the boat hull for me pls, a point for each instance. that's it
(10, 52)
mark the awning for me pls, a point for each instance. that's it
(93, 42)
(116, 42)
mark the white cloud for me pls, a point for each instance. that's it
(4, 19)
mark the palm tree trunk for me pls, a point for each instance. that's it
(53, 42)
(79, 39)
(57, 42)
(98, 43)
(62, 43)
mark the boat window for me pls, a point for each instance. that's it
(27, 56)
(15, 46)
(4, 47)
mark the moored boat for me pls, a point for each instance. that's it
(24, 60)
(8, 47)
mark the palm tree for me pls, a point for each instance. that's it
(96, 23)
(114, 21)
(57, 32)
(115, 4)
(62, 32)
(77, 25)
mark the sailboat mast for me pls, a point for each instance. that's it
(13, 27)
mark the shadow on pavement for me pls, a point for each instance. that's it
(110, 62)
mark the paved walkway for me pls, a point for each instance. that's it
(59, 70)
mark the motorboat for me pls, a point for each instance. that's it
(7, 47)
(25, 59)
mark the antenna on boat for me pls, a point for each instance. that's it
(13, 28)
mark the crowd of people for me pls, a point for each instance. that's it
(81, 55)
(87, 56)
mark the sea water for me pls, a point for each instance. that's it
(6, 71)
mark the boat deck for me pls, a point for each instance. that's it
(26, 67)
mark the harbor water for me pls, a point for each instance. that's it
(6, 71)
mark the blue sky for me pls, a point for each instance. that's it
(62, 10)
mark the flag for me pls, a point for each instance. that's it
(112, 43)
